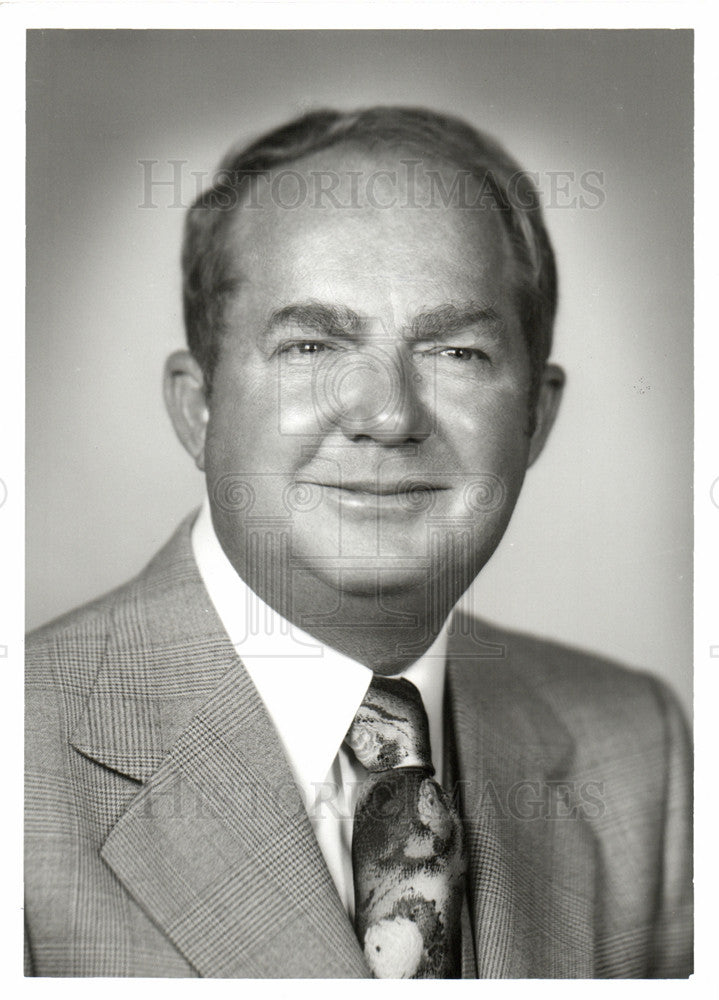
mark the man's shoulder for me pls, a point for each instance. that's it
(75, 642)
(579, 686)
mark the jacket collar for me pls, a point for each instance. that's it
(165, 655)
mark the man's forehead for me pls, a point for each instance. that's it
(349, 175)
(391, 201)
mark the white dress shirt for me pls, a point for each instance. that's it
(312, 693)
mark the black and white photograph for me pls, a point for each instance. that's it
(359, 401)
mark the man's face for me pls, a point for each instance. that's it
(370, 402)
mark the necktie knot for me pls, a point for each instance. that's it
(391, 729)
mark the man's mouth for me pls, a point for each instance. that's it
(401, 498)
(372, 487)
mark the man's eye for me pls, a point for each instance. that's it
(304, 348)
(464, 354)
(309, 347)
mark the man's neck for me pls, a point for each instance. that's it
(385, 632)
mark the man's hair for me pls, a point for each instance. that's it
(207, 275)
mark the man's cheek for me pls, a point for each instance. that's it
(301, 409)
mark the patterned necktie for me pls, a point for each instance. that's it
(407, 844)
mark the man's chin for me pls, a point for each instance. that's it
(380, 581)
(396, 566)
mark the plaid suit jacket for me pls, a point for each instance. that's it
(165, 835)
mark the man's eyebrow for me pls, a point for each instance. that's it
(326, 318)
(318, 317)
(450, 318)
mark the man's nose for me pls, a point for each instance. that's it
(377, 395)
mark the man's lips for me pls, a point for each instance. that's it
(371, 487)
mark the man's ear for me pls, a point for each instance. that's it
(186, 402)
(550, 394)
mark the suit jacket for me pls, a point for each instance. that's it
(165, 835)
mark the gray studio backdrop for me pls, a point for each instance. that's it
(599, 552)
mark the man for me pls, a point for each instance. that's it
(369, 301)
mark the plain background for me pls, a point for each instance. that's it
(599, 550)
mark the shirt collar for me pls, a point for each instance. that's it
(311, 691)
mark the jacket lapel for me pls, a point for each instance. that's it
(216, 847)
(532, 857)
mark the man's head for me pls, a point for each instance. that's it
(367, 380)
